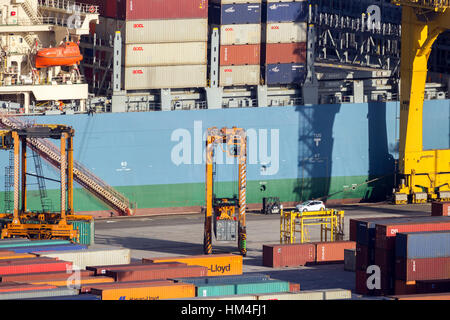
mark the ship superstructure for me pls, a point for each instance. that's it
(27, 27)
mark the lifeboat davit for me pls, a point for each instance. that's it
(66, 54)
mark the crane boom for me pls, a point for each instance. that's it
(425, 173)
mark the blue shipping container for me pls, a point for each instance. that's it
(419, 245)
(286, 12)
(236, 13)
(285, 73)
(77, 297)
(62, 247)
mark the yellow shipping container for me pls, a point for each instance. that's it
(218, 265)
(74, 282)
(152, 292)
(18, 256)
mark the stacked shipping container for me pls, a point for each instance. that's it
(285, 36)
(406, 250)
(165, 42)
(240, 40)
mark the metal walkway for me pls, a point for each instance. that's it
(82, 175)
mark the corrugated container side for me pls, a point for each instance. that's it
(214, 290)
(26, 287)
(284, 53)
(155, 274)
(80, 297)
(350, 259)
(18, 256)
(303, 295)
(234, 1)
(47, 266)
(166, 31)
(62, 282)
(290, 255)
(38, 294)
(337, 294)
(294, 287)
(102, 269)
(93, 257)
(285, 73)
(365, 257)
(433, 286)
(27, 277)
(422, 269)
(86, 231)
(353, 227)
(439, 209)
(237, 13)
(404, 287)
(60, 247)
(240, 55)
(422, 245)
(167, 9)
(332, 251)
(270, 286)
(286, 11)
(245, 278)
(239, 75)
(87, 288)
(166, 54)
(239, 34)
(218, 265)
(385, 259)
(34, 243)
(232, 298)
(157, 292)
(169, 77)
(286, 32)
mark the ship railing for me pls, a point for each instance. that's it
(32, 22)
(69, 6)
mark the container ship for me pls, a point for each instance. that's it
(314, 84)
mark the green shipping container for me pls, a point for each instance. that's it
(87, 231)
(33, 243)
(271, 286)
(215, 290)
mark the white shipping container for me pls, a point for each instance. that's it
(168, 77)
(160, 31)
(239, 75)
(92, 257)
(302, 295)
(166, 54)
(337, 294)
(33, 294)
(285, 32)
(240, 34)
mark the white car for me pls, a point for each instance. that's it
(311, 205)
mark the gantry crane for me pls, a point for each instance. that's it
(424, 174)
(228, 213)
(42, 225)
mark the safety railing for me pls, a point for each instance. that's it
(69, 6)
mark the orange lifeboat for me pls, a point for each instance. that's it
(66, 54)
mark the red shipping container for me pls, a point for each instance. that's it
(361, 282)
(363, 258)
(439, 209)
(165, 9)
(87, 288)
(27, 277)
(15, 287)
(101, 270)
(422, 269)
(248, 54)
(157, 274)
(385, 259)
(285, 53)
(294, 287)
(26, 260)
(404, 287)
(353, 224)
(361, 286)
(29, 267)
(385, 232)
(288, 255)
(332, 251)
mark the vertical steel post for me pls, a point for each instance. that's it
(24, 175)
(63, 173)
(16, 177)
(207, 241)
(70, 208)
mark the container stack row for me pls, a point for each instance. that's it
(165, 43)
(284, 37)
(239, 26)
(410, 255)
(293, 255)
